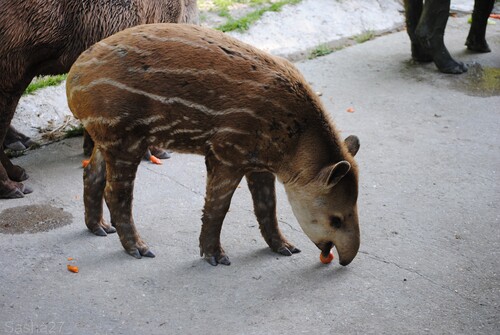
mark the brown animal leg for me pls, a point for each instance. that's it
(262, 187)
(10, 174)
(17, 141)
(15, 172)
(118, 194)
(10, 189)
(88, 144)
(94, 181)
(222, 180)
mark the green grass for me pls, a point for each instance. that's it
(321, 50)
(45, 81)
(74, 132)
(244, 22)
(325, 49)
(223, 7)
(364, 37)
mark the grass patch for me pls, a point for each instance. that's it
(74, 132)
(223, 7)
(44, 81)
(364, 37)
(244, 22)
(321, 50)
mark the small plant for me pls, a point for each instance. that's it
(243, 23)
(74, 131)
(321, 50)
(44, 81)
(223, 7)
(364, 37)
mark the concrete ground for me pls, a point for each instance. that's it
(429, 215)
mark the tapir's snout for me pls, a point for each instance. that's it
(345, 262)
(347, 252)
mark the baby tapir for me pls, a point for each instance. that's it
(195, 90)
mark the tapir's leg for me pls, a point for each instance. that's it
(10, 174)
(413, 11)
(17, 141)
(476, 40)
(88, 144)
(222, 180)
(262, 187)
(15, 172)
(10, 189)
(430, 33)
(118, 193)
(94, 181)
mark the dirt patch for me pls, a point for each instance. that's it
(33, 219)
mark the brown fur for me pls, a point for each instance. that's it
(195, 90)
(41, 37)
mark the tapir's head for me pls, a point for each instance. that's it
(326, 207)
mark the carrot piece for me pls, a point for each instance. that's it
(155, 160)
(73, 268)
(70, 258)
(326, 260)
(85, 162)
(350, 110)
(495, 16)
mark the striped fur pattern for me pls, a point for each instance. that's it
(194, 90)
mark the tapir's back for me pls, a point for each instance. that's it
(184, 61)
(180, 86)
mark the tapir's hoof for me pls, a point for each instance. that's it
(110, 229)
(100, 232)
(16, 146)
(22, 177)
(477, 45)
(453, 68)
(160, 153)
(214, 260)
(104, 231)
(288, 251)
(26, 189)
(139, 254)
(17, 173)
(16, 192)
(157, 152)
(21, 146)
(12, 194)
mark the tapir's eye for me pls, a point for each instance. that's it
(335, 222)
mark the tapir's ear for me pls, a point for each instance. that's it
(352, 144)
(331, 175)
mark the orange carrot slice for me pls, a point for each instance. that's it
(350, 110)
(70, 258)
(73, 268)
(85, 162)
(155, 160)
